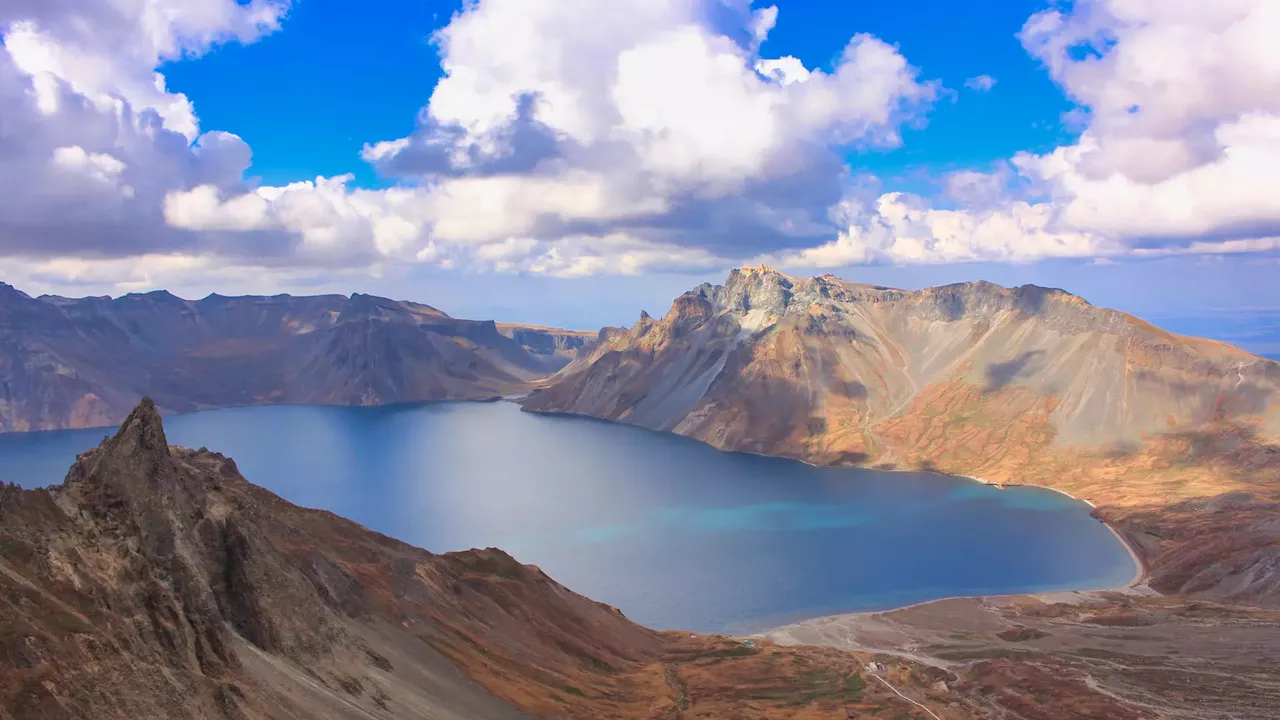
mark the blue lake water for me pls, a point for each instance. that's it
(673, 532)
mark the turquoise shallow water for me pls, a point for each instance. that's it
(675, 533)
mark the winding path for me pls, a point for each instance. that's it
(904, 697)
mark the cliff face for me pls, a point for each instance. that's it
(1012, 385)
(546, 341)
(84, 362)
(156, 582)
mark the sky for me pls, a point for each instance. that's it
(571, 162)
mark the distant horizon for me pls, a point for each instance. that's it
(1254, 329)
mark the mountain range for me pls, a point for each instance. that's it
(68, 363)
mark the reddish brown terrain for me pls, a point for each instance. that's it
(84, 362)
(1175, 439)
(1141, 656)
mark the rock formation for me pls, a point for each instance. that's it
(84, 362)
(1023, 385)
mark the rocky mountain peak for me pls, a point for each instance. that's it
(132, 471)
(761, 289)
(7, 290)
(141, 433)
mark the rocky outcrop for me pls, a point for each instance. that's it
(1022, 385)
(85, 362)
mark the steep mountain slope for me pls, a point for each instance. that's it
(1012, 385)
(85, 362)
(548, 342)
(156, 582)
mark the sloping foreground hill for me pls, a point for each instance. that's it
(1174, 437)
(84, 362)
(156, 582)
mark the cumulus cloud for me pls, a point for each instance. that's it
(592, 138)
(1180, 151)
(91, 140)
(568, 137)
(902, 228)
(981, 83)
(573, 137)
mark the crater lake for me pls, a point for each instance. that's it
(674, 533)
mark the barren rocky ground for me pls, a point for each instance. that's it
(1059, 655)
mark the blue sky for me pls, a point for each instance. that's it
(306, 100)
(572, 162)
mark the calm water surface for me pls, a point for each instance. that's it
(674, 533)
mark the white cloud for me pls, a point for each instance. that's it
(1183, 137)
(1180, 153)
(101, 166)
(901, 228)
(1232, 192)
(1159, 78)
(574, 137)
(762, 22)
(94, 140)
(651, 83)
(784, 70)
(108, 51)
(981, 83)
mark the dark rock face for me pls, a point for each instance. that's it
(85, 362)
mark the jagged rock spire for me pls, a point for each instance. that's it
(142, 431)
(133, 468)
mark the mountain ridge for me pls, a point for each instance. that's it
(84, 362)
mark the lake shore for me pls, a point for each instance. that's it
(1140, 568)
(1137, 584)
(846, 623)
